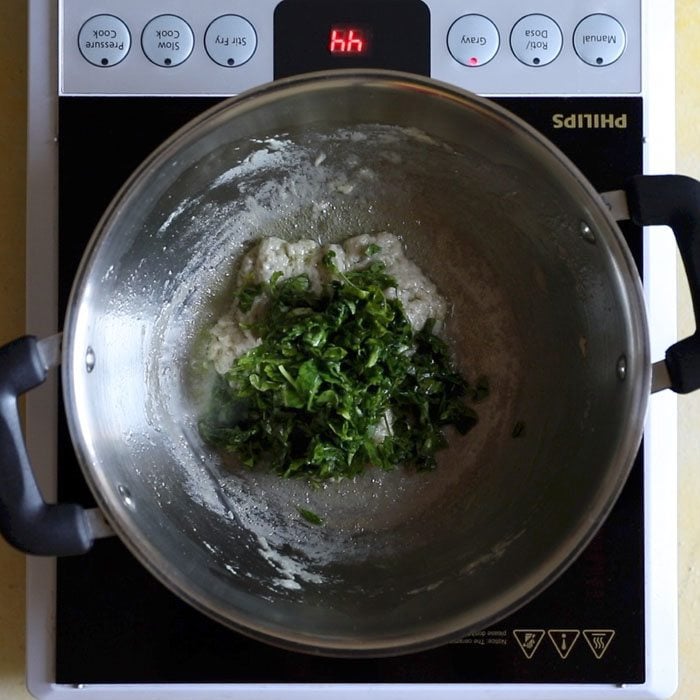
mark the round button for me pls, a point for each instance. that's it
(473, 40)
(536, 40)
(599, 40)
(104, 40)
(167, 40)
(230, 40)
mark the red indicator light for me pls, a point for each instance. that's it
(473, 61)
(348, 41)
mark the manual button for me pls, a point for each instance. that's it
(473, 40)
(599, 40)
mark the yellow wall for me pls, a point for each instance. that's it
(688, 162)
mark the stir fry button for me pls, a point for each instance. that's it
(230, 41)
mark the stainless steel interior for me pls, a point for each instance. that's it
(545, 302)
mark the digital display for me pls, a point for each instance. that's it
(318, 35)
(348, 40)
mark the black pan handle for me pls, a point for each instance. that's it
(674, 200)
(26, 521)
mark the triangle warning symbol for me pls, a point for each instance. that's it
(598, 641)
(528, 641)
(563, 640)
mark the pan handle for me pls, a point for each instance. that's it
(27, 522)
(674, 200)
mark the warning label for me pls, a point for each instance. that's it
(563, 640)
(528, 641)
(598, 641)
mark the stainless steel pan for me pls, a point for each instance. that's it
(546, 302)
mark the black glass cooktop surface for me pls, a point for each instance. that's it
(117, 624)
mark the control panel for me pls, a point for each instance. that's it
(219, 47)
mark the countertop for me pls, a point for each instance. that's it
(12, 191)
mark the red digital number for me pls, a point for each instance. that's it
(347, 40)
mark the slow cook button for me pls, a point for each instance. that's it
(473, 40)
(230, 40)
(599, 40)
(167, 40)
(104, 40)
(536, 40)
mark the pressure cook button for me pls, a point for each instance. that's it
(599, 40)
(167, 40)
(104, 40)
(473, 40)
(536, 40)
(230, 40)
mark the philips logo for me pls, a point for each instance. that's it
(589, 121)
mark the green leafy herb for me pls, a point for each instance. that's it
(338, 382)
(248, 295)
(310, 516)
